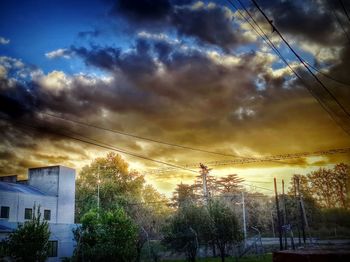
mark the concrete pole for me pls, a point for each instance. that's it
(273, 225)
(284, 216)
(278, 215)
(98, 189)
(244, 220)
(204, 172)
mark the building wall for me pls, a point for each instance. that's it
(18, 202)
(62, 233)
(66, 195)
(56, 181)
(45, 179)
(58, 185)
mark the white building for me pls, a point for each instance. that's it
(53, 189)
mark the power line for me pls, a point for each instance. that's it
(266, 159)
(344, 9)
(338, 20)
(299, 58)
(327, 75)
(103, 145)
(275, 49)
(144, 138)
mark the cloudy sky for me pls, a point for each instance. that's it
(189, 73)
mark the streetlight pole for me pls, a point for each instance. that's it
(244, 220)
(98, 189)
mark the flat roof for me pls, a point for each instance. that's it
(42, 167)
(20, 188)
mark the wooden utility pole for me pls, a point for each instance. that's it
(278, 215)
(301, 209)
(288, 226)
(296, 208)
(284, 217)
(244, 220)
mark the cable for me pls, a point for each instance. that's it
(266, 159)
(327, 75)
(299, 58)
(344, 9)
(144, 138)
(106, 146)
(322, 104)
(338, 20)
(275, 49)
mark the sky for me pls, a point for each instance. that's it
(188, 73)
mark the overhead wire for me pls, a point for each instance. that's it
(299, 58)
(101, 144)
(331, 3)
(266, 39)
(344, 9)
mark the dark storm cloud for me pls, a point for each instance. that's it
(140, 10)
(105, 58)
(209, 24)
(312, 20)
(137, 62)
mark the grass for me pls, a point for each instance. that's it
(265, 258)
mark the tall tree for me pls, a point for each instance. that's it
(224, 224)
(342, 184)
(230, 184)
(183, 194)
(189, 226)
(117, 184)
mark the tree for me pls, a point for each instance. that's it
(106, 236)
(117, 184)
(224, 224)
(230, 184)
(187, 228)
(149, 216)
(30, 241)
(342, 178)
(183, 194)
(330, 188)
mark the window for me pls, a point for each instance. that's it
(47, 214)
(28, 213)
(52, 249)
(5, 212)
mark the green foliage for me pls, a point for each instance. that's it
(224, 224)
(185, 229)
(328, 187)
(30, 241)
(202, 224)
(108, 236)
(117, 185)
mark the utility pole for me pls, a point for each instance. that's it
(288, 226)
(244, 220)
(305, 218)
(273, 225)
(296, 208)
(98, 189)
(278, 215)
(204, 173)
(284, 217)
(301, 209)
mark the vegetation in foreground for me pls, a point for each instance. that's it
(134, 222)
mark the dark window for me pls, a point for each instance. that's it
(5, 212)
(28, 213)
(52, 250)
(47, 214)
